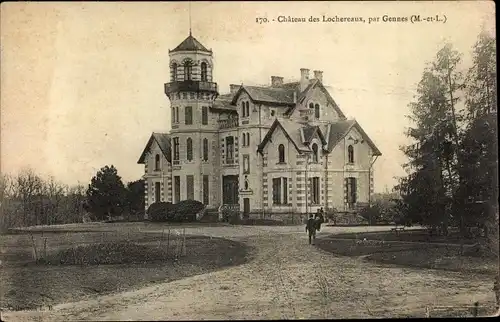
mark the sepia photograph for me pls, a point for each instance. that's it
(248, 160)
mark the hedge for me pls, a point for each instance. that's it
(183, 211)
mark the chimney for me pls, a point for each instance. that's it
(276, 81)
(318, 74)
(234, 88)
(304, 78)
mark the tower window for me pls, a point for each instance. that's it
(315, 153)
(243, 110)
(189, 149)
(157, 162)
(316, 111)
(204, 115)
(176, 149)
(173, 72)
(248, 108)
(177, 114)
(230, 150)
(204, 72)
(188, 115)
(188, 68)
(205, 149)
(281, 152)
(350, 153)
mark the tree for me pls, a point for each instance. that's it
(28, 188)
(106, 193)
(135, 196)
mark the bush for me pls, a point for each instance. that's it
(184, 211)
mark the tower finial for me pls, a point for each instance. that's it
(190, 18)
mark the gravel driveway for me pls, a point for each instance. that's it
(285, 279)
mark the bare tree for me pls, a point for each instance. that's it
(28, 187)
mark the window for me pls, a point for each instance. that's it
(314, 192)
(188, 115)
(285, 191)
(173, 115)
(350, 153)
(189, 149)
(243, 110)
(280, 191)
(157, 191)
(277, 191)
(204, 115)
(248, 139)
(316, 111)
(246, 164)
(157, 162)
(311, 105)
(205, 189)
(230, 149)
(315, 153)
(351, 192)
(187, 70)
(190, 187)
(173, 72)
(205, 149)
(177, 114)
(176, 149)
(203, 72)
(281, 152)
(177, 189)
(247, 104)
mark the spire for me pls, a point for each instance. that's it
(190, 34)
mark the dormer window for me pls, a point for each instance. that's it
(316, 111)
(247, 104)
(315, 153)
(204, 72)
(350, 153)
(157, 162)
(311, 105)
(245, 109)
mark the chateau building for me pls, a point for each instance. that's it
(277, 150)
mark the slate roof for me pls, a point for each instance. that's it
(190, 44)
(276, 96)
(291, 130)
(339, 130)
(163, 140)
(223, 103)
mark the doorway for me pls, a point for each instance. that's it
(246, 207)
(230, 190)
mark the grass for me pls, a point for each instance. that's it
(413, 249)
(79, 265)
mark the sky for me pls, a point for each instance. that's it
(82, 83)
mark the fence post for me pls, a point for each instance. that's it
(168, 240)
(184, 242)
(476, 309)
(34, 247)
(427, 313)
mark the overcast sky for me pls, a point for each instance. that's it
(82, 83)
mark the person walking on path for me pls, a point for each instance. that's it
(311, 229)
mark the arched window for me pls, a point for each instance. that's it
(316, 111)
(248, 108)
(189, 149)
(187, 70)
(281, 152)
(243, 109)
(203, 72)
(173, 72)
(311, 105)
(248, 139)
(205, 149)
(315, 152)
(350, 153)
(157, 162)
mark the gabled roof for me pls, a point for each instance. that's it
(163, 141)
(190, 44)
(223, 103)
(274, 95)
(316, 83)
(339, 130)
(291, 131)
(309, 132)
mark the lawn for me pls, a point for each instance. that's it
(128, 258)
(413, 249)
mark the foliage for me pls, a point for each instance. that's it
(452, 169)
(183, 211)
(135, 197)
(106, 194)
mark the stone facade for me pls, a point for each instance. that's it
(277, 151)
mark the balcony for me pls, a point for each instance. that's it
(229, 123)
(190, 86)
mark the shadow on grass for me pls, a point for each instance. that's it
(79, 272)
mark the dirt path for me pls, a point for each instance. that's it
(285, 279)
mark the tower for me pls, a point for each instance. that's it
(191, 91)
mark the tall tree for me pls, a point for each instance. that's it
(28, 187)
(432, 179)
(106, 193)
(135, 196)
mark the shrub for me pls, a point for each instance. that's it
(184, 211)
(161, 211)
